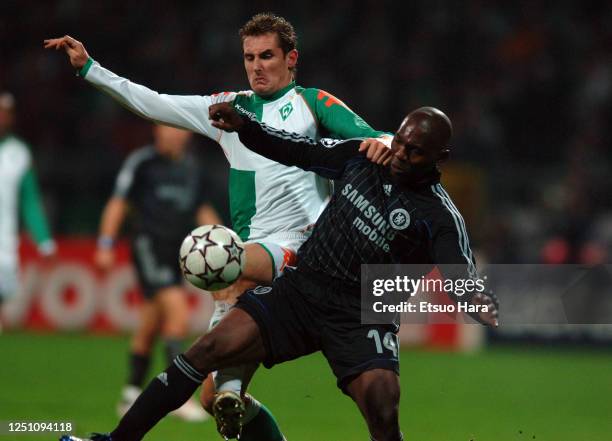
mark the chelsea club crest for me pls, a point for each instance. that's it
(399, 219)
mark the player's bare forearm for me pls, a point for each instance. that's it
(113, 216)
(73, 48)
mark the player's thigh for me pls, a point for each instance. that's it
(271, 256)
(352, 348)
(259, 266)
(234, 341)
(285, 317)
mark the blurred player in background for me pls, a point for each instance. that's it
(273, 207)
(18, 193)
(164, 188)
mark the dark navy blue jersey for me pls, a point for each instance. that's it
(370, 218)
(164, 193)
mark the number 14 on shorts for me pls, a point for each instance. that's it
(389, 341)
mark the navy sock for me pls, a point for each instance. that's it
(165, 393)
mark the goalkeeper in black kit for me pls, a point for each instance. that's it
(316, 306)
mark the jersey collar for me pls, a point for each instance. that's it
(276, 95)
(426, 181)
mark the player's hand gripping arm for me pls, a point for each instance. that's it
(187, 112)
(327, 157)
(376, 151)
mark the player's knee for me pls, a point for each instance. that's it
(143, 340)
(205, 353)
(378, 395)
(176, 328)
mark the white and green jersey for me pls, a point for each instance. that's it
(266, 198)
(18, 192)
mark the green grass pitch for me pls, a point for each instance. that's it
(501, 394)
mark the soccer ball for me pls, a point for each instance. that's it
(212, 257)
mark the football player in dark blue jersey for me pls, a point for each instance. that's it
(394, 212)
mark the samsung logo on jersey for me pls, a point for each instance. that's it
(375, 227)
(369, 211)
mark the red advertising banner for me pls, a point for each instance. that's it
(68, 293)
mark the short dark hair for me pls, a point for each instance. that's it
(267, 22)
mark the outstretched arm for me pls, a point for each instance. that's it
(328, 157)
(187, 112)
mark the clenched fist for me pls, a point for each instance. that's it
(225, 117)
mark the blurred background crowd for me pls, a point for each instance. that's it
(527, 84)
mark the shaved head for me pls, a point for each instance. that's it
(434, 124)
(420, 144)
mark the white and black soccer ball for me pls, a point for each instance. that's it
(212, 257)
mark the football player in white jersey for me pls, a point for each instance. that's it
(18, 193)
(272, 206)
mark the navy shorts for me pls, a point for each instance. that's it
(299, 315)
(157, 264)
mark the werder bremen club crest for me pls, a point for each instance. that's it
(285, 111)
